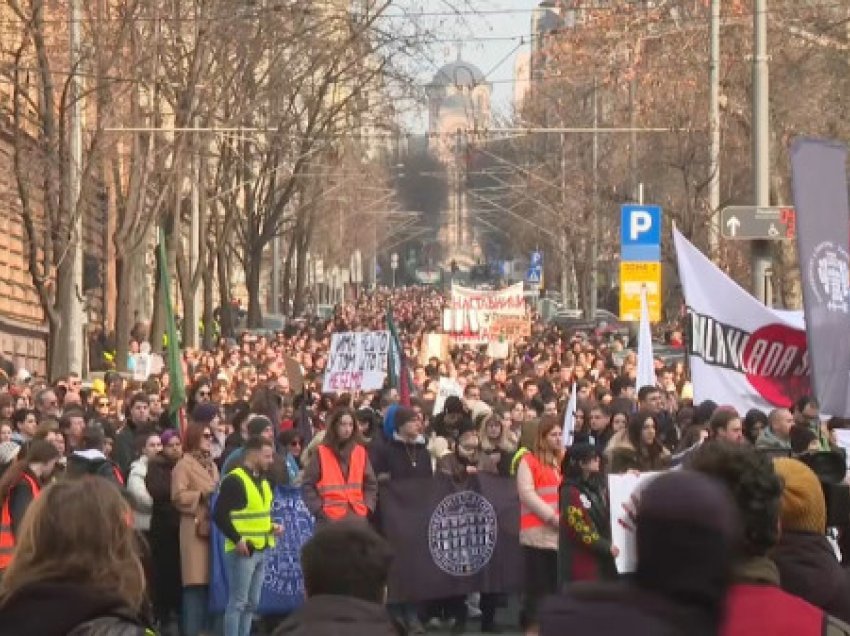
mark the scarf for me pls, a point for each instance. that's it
(205, 460)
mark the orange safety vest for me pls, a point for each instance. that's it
(547, 481)
(7, 539)
(339, 495)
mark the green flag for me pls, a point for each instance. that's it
(177, 387)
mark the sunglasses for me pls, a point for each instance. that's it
(295, 443)
(207, 436)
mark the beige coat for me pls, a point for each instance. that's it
(189, 482)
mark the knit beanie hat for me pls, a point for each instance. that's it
(802, 507)
(687, 534)
(204, 413)
(257, 424)
(168, 435)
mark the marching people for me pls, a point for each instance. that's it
(538, 483)
(165, 530)
(585, 551)
(193, 480)
(339, 481)
(243, 514)
(20, 486)
(71, 575)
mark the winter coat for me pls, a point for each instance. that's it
(757, 588)
(584, 544)
(67, 609)
(139, 495)
(624, 457)
(614, 609)
(809, 569)
(91, 462)
(328, 615)
(769, 441)
(397, 459)
(126, 443)
(313, 475)
(455, 466)
(164, 534)
(191, 486)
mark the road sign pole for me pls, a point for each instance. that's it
(760, 257)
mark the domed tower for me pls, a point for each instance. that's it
(459, 114)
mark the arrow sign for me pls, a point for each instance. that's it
(750, 222)
(732, 225)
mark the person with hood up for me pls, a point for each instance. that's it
(346, 567)
(585, 551)
(63, 579)
(339, 482)
(807, 564)
(19, 487)
(686, 535)
(755, 603)
(92, 460)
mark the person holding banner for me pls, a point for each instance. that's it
(538, 483)
(585, 551)
(339, 481)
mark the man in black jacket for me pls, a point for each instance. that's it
(91, 460)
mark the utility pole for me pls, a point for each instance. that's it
(714, 124)
(562, 230)
(593, 281)
(760, 258)
(76, 319)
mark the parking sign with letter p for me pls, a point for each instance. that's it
(640, 233)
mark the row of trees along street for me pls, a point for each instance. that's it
(232, 122)
(646, 65)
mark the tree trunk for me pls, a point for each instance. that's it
(226, 318)
(209, 288)
(60, 327)
(124, 307)
(253, 265)
(158, 318)
(288, 304)
(300, 276)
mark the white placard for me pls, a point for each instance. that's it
(447, 387)
(842, 439)
(357, 361)
(624, 491)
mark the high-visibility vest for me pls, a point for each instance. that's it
(7, 539)
(338, 495)
(254, 521)
(517, 458)
(547, 481)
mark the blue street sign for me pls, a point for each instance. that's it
(535, 268)
(640, 233)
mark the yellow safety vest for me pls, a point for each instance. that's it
(254, 521)
(521, 452)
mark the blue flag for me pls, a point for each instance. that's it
(283, 583)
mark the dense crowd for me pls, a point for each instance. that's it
(711, 557)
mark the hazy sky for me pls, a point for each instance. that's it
(492, 33)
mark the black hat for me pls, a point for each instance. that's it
(583, 452)
(453, 405)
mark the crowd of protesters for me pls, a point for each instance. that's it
(711, 557)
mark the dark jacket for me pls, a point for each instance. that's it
(313, 475)
(277, 473)
(584, 542)
(339, 616)
(455, 466)
(125, 451)
(164, 537)
(614, 609)
(66, 609)
(397, 459)
(809, 569)
(91, 462)
(20, 498)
